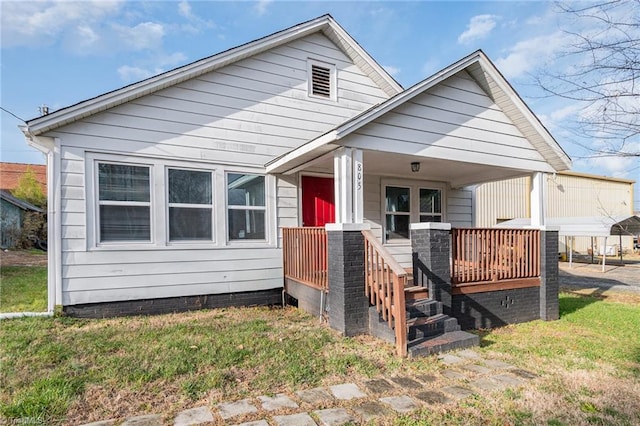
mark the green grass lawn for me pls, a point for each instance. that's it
(64, 371)
(23, 289)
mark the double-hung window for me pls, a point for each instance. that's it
(246, 206)
(430, 205)
(398, 212)
(190, 205)
(124, 200)
(409, 204)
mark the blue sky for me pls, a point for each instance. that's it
(60, 53)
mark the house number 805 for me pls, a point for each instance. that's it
(359, 176)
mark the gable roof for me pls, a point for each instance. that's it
(21, 204)
(10, 174)
(326, 24)
(484, 72)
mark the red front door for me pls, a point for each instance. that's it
(318, 206)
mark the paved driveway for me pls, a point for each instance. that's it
(619, 278)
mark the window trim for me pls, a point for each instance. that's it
(212, 206)
(386, 212)
(267, 233)
(159, 202)
(414, 203)
(97, 203)
(333, 80)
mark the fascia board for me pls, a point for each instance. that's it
(281, 164)
(506, 88)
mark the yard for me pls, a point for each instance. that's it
(67, 371)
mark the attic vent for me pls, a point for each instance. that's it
(320, 81)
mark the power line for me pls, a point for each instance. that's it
(9, 112)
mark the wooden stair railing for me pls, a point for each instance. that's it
(385, 281)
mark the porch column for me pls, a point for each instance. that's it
(431, 249)
(349, 189)
(348, 306)
(549, 279)
(537, 195)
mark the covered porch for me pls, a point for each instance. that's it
(398, 247)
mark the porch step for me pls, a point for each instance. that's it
(423, 307)
(415, 293)
(445, 342)
(409, 277)
(426, 327)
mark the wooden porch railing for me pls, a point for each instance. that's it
(385, 280)
(305, 256)
(491, 255)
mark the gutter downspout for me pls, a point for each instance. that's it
(54, 254)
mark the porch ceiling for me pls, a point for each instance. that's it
(455, 173)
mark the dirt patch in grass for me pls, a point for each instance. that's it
(23, 258)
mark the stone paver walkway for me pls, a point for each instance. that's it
(463, 374)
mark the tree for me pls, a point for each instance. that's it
(601, 71)
(30, 190)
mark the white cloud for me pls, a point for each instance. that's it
(43, 23)
(154, 65)
(479, 27)
(195, 23)
(391, 70)
(145, 35)
(261, 6)
(528, 54)
(184, 9)
(128, 73)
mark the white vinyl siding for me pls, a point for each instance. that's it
(235, 120)
(453, 120)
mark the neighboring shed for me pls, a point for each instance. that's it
(593, 227)
(12, 211)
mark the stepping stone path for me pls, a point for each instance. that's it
(461, 375)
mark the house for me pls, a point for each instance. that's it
(11, 173)
(567, 195)
(184, 190)
(12, 212)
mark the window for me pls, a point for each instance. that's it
(430, 205)
(246, 206)
(398, 212)
(402, 207)
(124, 201)
(322, 80)
(190, 205)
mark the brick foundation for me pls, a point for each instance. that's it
(174, 304)
(496, 308)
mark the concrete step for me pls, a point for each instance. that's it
(415, 293)
(445, 342)
(423, 307)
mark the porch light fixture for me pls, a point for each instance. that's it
(415, 167)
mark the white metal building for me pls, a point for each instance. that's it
(567, 194)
